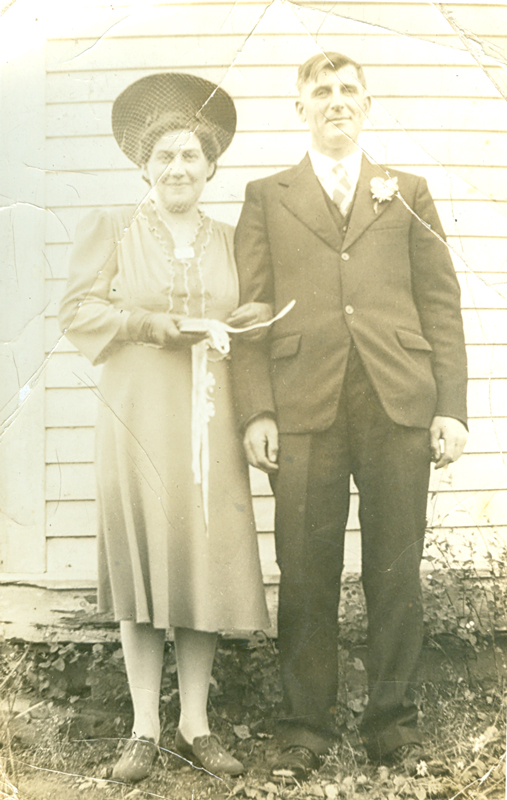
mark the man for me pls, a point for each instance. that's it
(366, 376)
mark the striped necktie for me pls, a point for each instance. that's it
(342, 188)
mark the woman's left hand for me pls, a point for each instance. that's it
(251, 314)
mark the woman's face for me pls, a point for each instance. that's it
(177, 170)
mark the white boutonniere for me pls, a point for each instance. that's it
(382, 190)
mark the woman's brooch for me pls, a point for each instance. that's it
(383, 189)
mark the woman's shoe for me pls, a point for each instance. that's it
(136, 760)
(209, 753)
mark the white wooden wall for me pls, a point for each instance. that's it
(438, 111)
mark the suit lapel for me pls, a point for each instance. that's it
(304, 197)
(363, 213)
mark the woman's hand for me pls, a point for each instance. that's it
(251, 314)
(159, 329)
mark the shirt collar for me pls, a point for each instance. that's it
(323, 165)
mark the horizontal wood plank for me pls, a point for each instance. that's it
(69, 445)
(487, 397)
(462, 509)
(173, 18)
(272, 148)
(71, 371)
(70, 408)
(205, 17)
(485, 326)
(456, 217)
(275, 81)
(66, 119)
(125, 186)
(248, 50)
(487, 471)
(77, 407)
(72, 557)
(76, 556)
(70, 482)
(484, 259)
(74, 518)
(482, 292)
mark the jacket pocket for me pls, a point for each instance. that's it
(285, 346)
(411, 340)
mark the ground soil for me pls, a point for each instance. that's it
(66, 712)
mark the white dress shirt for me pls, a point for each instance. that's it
(324, 168)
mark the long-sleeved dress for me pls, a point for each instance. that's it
(158, 559)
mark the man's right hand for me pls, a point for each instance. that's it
(261, 443)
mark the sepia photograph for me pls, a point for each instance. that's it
(253, 376)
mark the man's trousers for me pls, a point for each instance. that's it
(390, 465)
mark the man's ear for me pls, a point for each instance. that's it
(367, 103)
(300, 110)
(144, 175)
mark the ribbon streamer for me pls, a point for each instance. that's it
(202, 388)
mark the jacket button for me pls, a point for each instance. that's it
(345, 256)
(349, 310)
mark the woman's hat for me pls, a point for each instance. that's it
(183, 101)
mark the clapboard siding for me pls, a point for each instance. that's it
(454, 148)
(455, 216)
(76, 444)
(77, 406)
(72, 557)
(413, 81)
(473, 472)
(482, 326)
(113, 186)
(198, 50)
(486, 258)
(269, 113)
(436, 112)
(415, 18)
(452, 509)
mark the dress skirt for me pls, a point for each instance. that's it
(158, 560)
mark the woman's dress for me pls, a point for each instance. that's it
(158, 560)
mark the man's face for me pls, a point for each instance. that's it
(334, 106)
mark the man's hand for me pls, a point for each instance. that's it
(448, 437)
(261, 444)
(251, 314)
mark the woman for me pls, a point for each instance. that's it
(176, 541)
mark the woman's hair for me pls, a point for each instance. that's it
(207, 138)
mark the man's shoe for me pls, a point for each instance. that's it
(136, 760)
(209, 753)
(295, 764)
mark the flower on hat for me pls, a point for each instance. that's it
(383, 189)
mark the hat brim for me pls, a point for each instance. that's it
(174, 98)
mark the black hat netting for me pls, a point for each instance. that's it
(171, 101)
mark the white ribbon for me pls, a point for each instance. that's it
(202, 388)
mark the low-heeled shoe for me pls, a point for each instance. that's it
(209, 753)
(136, 760)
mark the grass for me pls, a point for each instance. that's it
(66, 709)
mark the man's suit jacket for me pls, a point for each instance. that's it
(385, 281)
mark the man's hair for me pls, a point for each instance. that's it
(311, 69)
